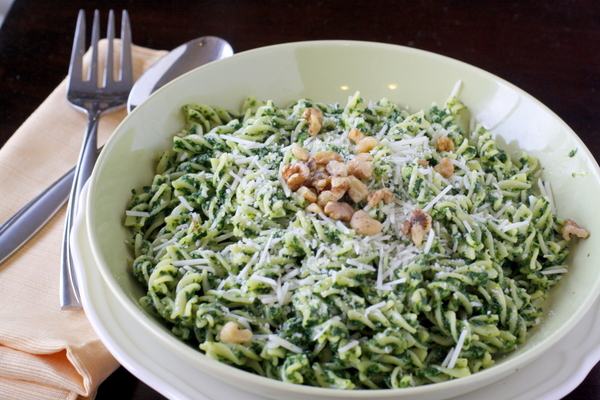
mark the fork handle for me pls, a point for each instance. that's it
(69, 292)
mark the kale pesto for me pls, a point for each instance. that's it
(218, 237)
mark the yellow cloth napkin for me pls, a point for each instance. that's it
(46, 352)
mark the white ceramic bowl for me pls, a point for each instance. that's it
(330, 71)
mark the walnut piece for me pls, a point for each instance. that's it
(309, 194)
(357, 191)
(340, 183)
(360, 168)
(295, 174)
(329, 195)
(405, 227)
(355, 135)
(314, 116)
(231, 333)
(376, 196)
(363, 157)
(339, 210)
(366, 145)
(314, 208)
(363, 224)
(319, 179)
(300, 153)
(325, 157)
(337, 168)
(445, 167)
(322, 184)
(445, 144)
(571, 228)
(417, 226)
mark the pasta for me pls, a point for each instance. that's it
(243, 254)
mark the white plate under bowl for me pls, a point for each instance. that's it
(330, 71)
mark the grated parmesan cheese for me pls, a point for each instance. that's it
(458, 348)
(350, 345)
(277, 341)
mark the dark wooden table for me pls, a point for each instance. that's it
(551, 49)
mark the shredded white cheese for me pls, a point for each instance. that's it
(284, 343)
(458, 348)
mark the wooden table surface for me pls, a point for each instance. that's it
(550, 49)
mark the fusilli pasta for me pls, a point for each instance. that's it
(219, 236)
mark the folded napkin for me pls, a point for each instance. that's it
(46, 352)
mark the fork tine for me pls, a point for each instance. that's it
(93, 74)
(110, 37)
(76, 65)
(126, 74)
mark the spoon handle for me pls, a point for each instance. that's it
(25, 223)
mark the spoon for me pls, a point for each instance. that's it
(19, 228)
(184, 58)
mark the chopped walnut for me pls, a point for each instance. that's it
(295, 174)
(366, 145)
(376, 196)
(319, 179)
(340, 183)
(445, 167)
(231, 333)
(329, 195)
(337, 168)
(363, 224)
(445, 144)
(287, 171)
(355, 135)
(325, 157)
(357, 191)
(417, 226)
(314, 208)
(300, 153)
(360, 168)
(423, 163)
(312, 164)
(322, 182)
(314, 116)
(339, 210)
(309, 194)
(571, 228)
(363, 157)
(405, 227)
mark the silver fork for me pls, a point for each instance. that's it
(95, 100)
